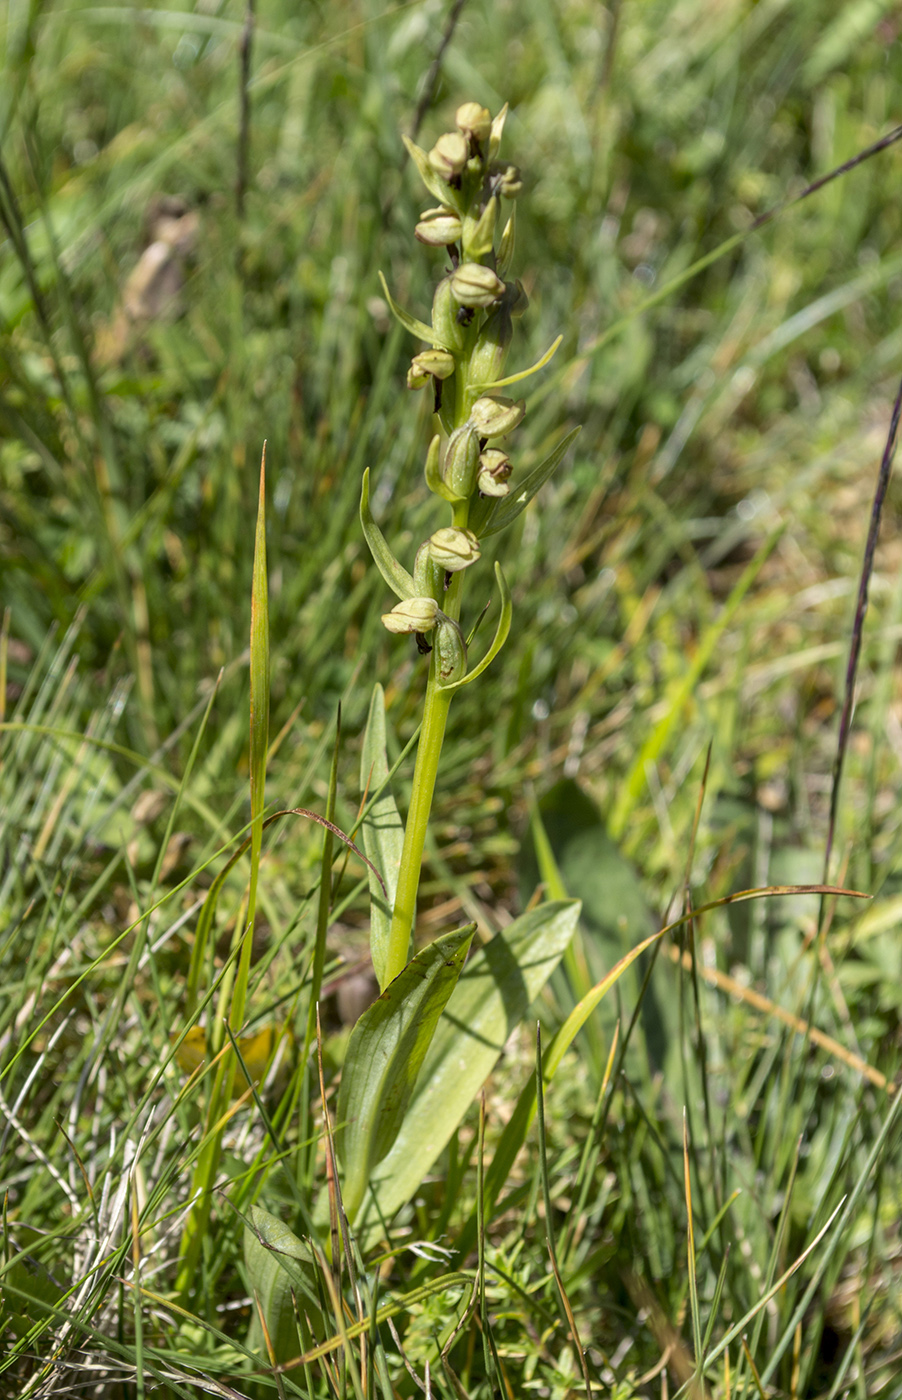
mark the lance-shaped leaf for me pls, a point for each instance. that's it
(383, 832)
(492, 384)
(385, 1052)
(410, 323)
(279, 1265)
(507, 509)
(501, 633)
(492, 997)
(395, 575)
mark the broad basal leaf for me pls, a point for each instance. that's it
(492, 997)
(385, 1052)
(280, 1265)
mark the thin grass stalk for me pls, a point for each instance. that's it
(566, 1310)
(197, 1224)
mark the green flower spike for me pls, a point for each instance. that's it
(467, 346)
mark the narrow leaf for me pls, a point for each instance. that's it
(443, 192)
(507, 510)
(492, 384)
(395, 575)
(501, 632)
(410, 323)
(383, 832)
(385, 1052)
(492, 997)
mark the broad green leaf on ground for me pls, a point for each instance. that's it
(383, 832)
(385, 1052)
(615, 915)
(492, 997)
(28, 1294)
(517, 1126)
(278, 1265)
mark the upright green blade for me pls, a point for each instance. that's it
(383, 832)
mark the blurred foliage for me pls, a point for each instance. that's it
(750, 398)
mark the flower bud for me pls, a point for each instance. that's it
(517, 301)
(496, 417)
(413, 615)
(449, 155)
(453, 549)
(479, 234)
(428, 578)
(495, 134)
(429, 364)
(474, 121)
(444, 316)
(506, 180)
(494, 470)
(461, 462)
(451, 652)
(475, 285)
(506, 245)
(490, 351)
(438, 227)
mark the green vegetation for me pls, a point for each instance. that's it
(676, 1189)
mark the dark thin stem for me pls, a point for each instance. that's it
(607, 67)
(889, 140)
(858, 625)
(245, 47)
(431, 82)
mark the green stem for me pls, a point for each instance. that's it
(435, 715)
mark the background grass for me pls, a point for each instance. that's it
(741, 418)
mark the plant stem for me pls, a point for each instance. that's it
(435, 715)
